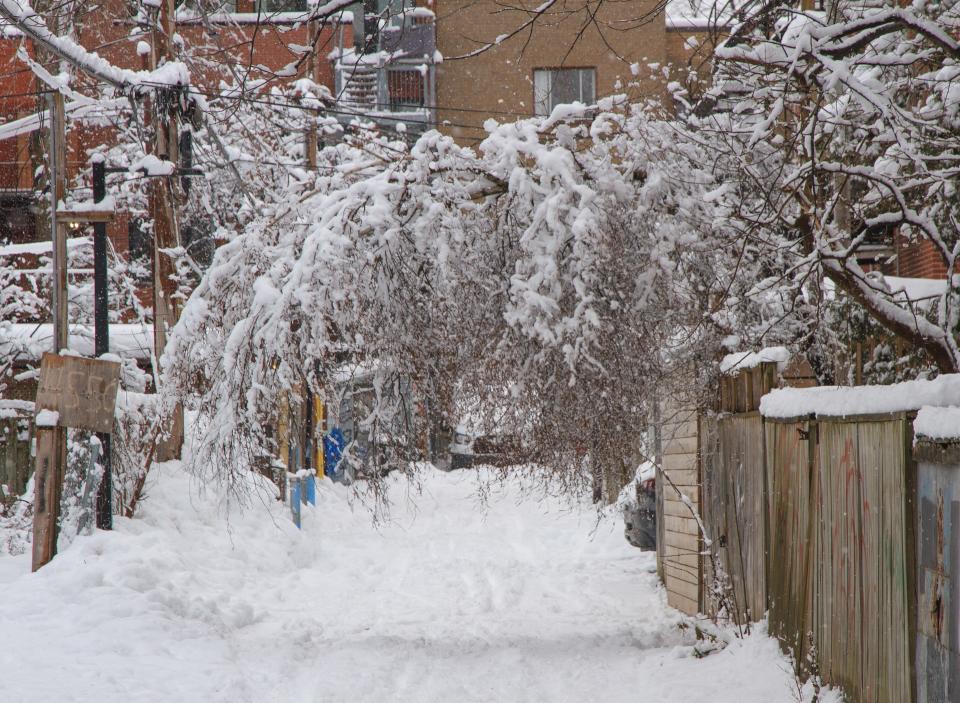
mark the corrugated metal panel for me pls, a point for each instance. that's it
(938, 583)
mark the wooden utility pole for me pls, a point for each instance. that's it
(58, 189)
(52, 440)
(311, 70)
(166, 232)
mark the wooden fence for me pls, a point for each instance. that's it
(15, 461)
(812, 522)
(841, 516)
(938, 571)
(734, 507)
(678, 535)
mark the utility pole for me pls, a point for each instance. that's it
(58, 189)
(52, 440)
(311, 143)
(101, 326)
(165, 227)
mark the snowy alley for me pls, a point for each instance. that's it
(529, 599)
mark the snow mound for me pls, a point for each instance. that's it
(521, 597)
(738, 361)
(837, 401)
(937, 423)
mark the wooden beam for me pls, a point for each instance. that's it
(83, 217)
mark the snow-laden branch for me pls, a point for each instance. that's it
(22, 16)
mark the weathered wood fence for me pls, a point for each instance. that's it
(15, 461)
(841, 516)
(812, 522)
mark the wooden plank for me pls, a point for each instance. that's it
(680, 524)
(678, 508)
(680, 445)
(82, 391)
(48, 487)
(679, 462)
(685, 559)
(682, 574)
(682, 603)
(681, 540)
(681, 482)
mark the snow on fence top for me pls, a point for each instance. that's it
(739, 361)
(836, 401)
(941, 424)
(29, 341)
(12, 408)
(44, 247)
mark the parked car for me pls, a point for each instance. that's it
(469, 449)
(638, 504)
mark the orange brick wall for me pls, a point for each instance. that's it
(918, 259)
(105, 29)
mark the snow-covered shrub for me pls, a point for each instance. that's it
(558, 273)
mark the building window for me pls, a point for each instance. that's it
(406, 90)
(18, 218)
(559, 86)
(280, 6)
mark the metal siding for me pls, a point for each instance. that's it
(938, 582)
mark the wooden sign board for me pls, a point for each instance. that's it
(82, 391)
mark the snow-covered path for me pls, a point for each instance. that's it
(529, 600)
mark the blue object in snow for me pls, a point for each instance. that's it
(295, 499)
(310, 485)
(333, 444)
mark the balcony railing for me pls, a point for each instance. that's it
(397, 83)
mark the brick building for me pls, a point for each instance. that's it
(261, 39)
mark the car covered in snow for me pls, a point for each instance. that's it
(474, 449)
(638, 505)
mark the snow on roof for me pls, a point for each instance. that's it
(44, 247)
(914, 289)
(701, 14)
(29, 341)
(12, 408)
(738, 361)
(937, 423)
(838, 401)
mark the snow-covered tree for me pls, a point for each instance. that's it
(835, 128)
(553, 277)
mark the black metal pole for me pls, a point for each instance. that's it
(101, 326)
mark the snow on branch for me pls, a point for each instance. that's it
(22, 16)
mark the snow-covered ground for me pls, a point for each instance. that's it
(526, 600)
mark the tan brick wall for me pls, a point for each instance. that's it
(501, 80)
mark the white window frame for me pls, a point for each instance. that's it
(543, 78)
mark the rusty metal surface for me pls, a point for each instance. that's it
(82, 391)
(938, 582)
